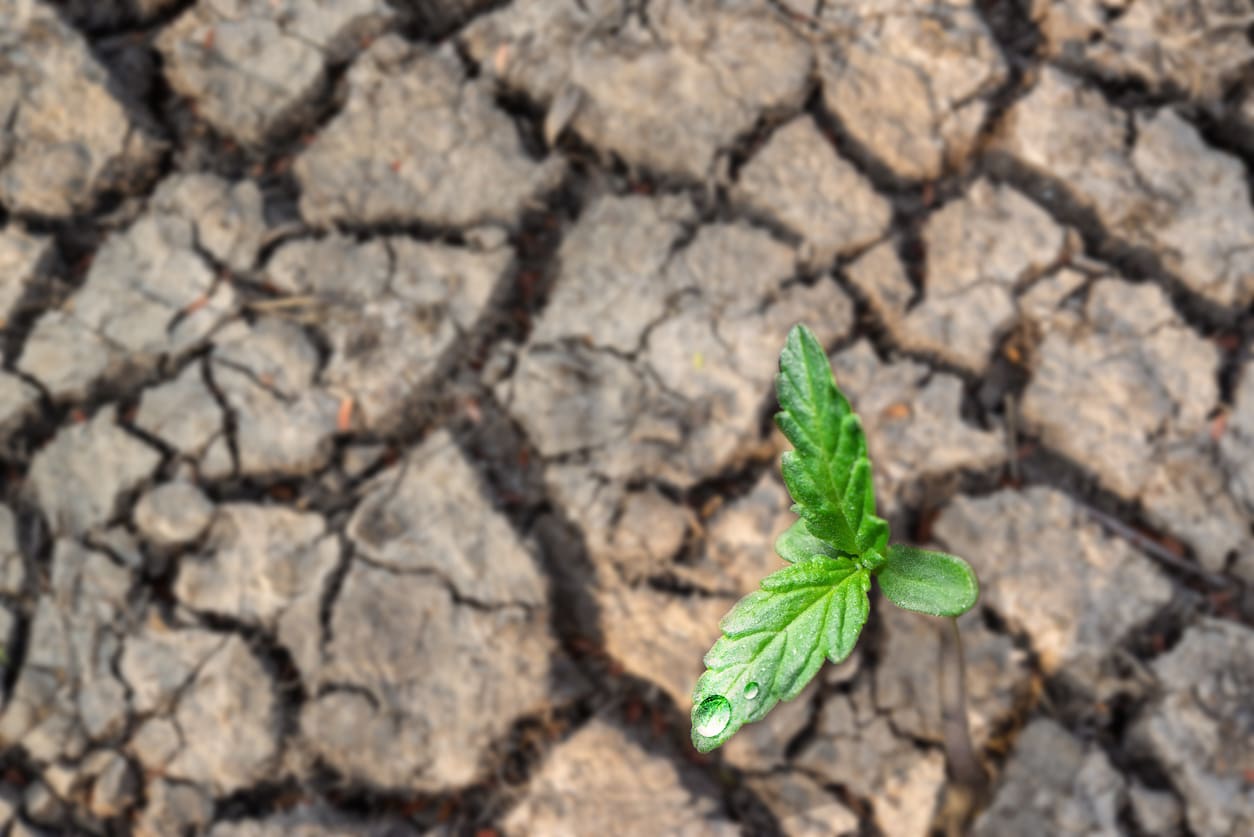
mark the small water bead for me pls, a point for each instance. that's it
(712, 715)
(751, 691)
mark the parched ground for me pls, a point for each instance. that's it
(386, 393)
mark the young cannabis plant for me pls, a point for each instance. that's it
(775, 640)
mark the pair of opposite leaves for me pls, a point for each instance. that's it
(775, 639)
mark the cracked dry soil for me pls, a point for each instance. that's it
(386, 393)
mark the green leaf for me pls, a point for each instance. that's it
(797, 544)
(928, 582)
(774, 642)
(828, 473)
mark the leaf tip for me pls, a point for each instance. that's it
(711, 721)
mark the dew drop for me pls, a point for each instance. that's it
(712, 716)
(751, 690)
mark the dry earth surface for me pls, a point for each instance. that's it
(386, 393)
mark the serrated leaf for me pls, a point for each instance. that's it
(828, 474)
(797, 544)
(930, 582)
(774, 642)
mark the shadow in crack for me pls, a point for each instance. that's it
(637, 707)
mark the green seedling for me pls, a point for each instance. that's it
(776, 639)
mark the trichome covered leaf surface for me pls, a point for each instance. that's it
(828, 474)
(927, 581)
(797, 544)
(775, 640)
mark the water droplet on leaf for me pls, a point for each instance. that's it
(712, 715)
(751, 690)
